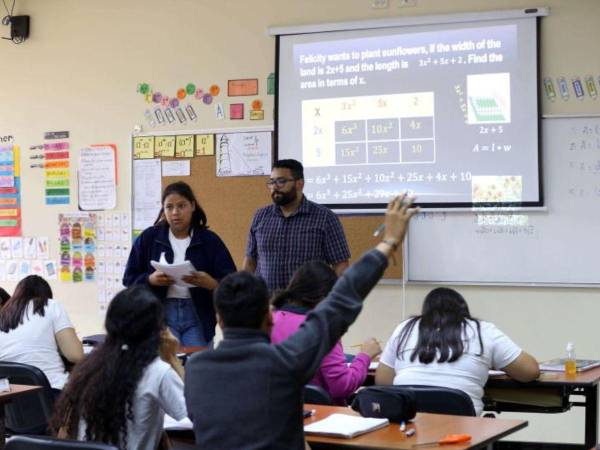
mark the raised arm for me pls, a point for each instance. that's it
(324, 325)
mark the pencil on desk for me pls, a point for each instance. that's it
(360, 345)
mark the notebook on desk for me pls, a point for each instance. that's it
(558, 365)
(345, 426)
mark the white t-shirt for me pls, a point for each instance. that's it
(179, 248)
(469, 373)
(160, 390)
(33, 342)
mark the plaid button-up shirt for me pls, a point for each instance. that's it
(281, 244)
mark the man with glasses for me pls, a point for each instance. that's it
(292, 230)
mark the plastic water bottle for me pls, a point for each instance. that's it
(570, 361)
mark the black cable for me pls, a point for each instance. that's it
(11, 9)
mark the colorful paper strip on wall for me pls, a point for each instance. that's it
(56, 169)
(10, 191)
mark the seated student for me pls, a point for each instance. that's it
(119, 394)
(247, 393)
(445, 346)
(36, 330)
(309, 285)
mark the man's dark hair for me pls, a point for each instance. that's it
(294, 166)
(242, 300)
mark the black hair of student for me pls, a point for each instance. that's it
(31, 288)
(242, 300)
(101, 388)
(442, 322)
(4, 296)
(294, 166)
(181, 188)
(310, 284)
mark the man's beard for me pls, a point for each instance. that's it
(283, 198)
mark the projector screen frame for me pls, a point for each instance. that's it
(375, 208)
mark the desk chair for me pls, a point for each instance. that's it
(441, 400)
(93, 340)
(30, 413)
(49, 443)
(316, 395)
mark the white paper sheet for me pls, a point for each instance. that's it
(175, 271)
(146, 192)
(176, 168)
(242, 154)
(97, 179)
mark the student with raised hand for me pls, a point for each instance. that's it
(36, 330)
(181, 233)
(309, 285)
(120, 393)
(247, 393)
(445, 346)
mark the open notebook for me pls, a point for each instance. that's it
(345, 426)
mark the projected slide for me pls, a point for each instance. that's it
(446, 112)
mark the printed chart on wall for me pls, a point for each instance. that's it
(243, 154)
(10, 191)
(23, 256)
(97, 178)
(113, 247)
(77, 246)
(146, 192)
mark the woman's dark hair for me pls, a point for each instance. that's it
(101, 388)
(4, 296)
(310, 284)
(442, 324)
(31, 288)
(180, 188)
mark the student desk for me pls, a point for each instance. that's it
(430, 427)
(6, 397)
(553, 384)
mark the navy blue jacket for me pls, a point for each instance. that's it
(206, 252)
(247, 393)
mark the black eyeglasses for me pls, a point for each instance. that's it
(279, 182)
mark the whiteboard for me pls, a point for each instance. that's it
(560, 245)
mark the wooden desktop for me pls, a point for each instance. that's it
(430, 427)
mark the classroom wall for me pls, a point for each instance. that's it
(80, 68)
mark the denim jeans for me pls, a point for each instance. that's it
(182, 319)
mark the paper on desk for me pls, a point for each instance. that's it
(172, 424)
(175, 271)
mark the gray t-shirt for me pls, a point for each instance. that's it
(159, 391)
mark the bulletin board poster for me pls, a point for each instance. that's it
(10, 191)
(77, 247)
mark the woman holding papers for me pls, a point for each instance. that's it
(445, 346)
(309, 285)
(181, 234)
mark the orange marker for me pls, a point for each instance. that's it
(449, 439)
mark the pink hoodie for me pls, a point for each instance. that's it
(334, 375)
